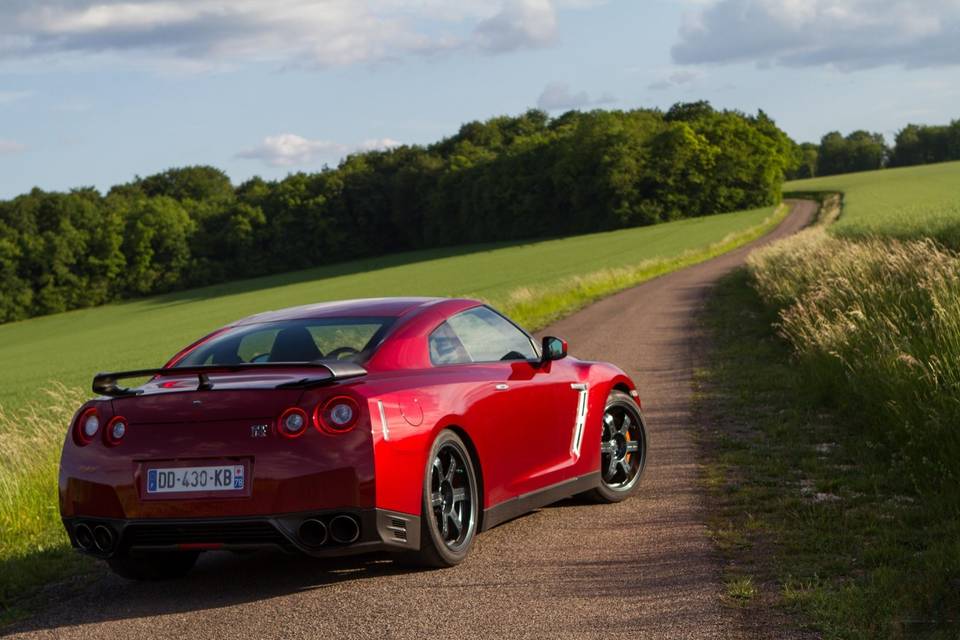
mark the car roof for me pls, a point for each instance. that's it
(361, 307)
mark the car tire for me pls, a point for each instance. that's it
(623, 453)
(157, 565)
(447, 494)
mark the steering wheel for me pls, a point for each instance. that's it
(336, 353)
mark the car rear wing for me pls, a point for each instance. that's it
(106, 383)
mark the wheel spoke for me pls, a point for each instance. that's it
(444, 527)
(626, 469)
(625, 425)
(459, 494)
(632, 446)
(451, 470)
(436, 500)
(437, 469)
(608, 446)
(611, 467)
(457, 522)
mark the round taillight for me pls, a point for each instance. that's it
(337, 414)
(341, 414)
(87, 426)
(116, 429)
(292, 422)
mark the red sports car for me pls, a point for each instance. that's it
(399, 424)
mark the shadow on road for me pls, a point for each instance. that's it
(220, 579)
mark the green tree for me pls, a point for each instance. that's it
(156, 244)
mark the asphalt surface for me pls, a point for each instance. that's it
(644, 568)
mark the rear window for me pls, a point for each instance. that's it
(304, 340)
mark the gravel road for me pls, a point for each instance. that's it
(643, 568)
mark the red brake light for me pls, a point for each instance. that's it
(86, 427)
(292, 422)
(116, 430)
(336, 415)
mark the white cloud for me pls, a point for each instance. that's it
(558, 95)
(9, 146)
(676, 79)
(520, 24)
(291, 150)
(197, 34)
(846, 34)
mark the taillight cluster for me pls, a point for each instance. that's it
(87, 426)
(336, 415)
(116, 429)
(292, 422)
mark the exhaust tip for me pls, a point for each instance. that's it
(312, 532)
(344, 529)
(84, 536)
(103, 538)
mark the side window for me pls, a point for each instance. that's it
(487, 336)
(445, 347)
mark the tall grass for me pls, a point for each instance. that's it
(875, 323)
(33, 546)
(30, 444)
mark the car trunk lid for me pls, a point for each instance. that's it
(176, 399)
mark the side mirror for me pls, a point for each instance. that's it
(553, 349)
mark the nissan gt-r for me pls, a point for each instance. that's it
(399, 424)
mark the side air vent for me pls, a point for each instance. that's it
(399, 529)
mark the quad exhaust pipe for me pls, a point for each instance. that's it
(344, 529)
(313, 532)
(340, 529)
(103, 538)
(95, 538)
(84, 537)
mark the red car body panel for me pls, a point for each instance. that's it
(523, 421)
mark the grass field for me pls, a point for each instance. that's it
(70, 347)
(839, 453)
(801, 507)
(906, 203)
(49, 361)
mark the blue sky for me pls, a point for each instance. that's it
(94, 92)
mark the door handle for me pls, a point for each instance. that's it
(502, 387)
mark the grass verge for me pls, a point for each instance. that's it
(33, 548)
(804, 505)
(536, 308)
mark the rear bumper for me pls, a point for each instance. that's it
(378, 530)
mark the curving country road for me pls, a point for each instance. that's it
(644, 568)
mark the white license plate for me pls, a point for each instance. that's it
(181, 479)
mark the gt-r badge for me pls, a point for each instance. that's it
(259, 430)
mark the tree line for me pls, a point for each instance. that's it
(506, 178)
(866, 151)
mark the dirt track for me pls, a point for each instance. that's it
(643, 568)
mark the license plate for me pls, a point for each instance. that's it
(183, 479)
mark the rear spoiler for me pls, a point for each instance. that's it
(106, 383)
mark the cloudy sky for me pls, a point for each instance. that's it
(93, 92)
